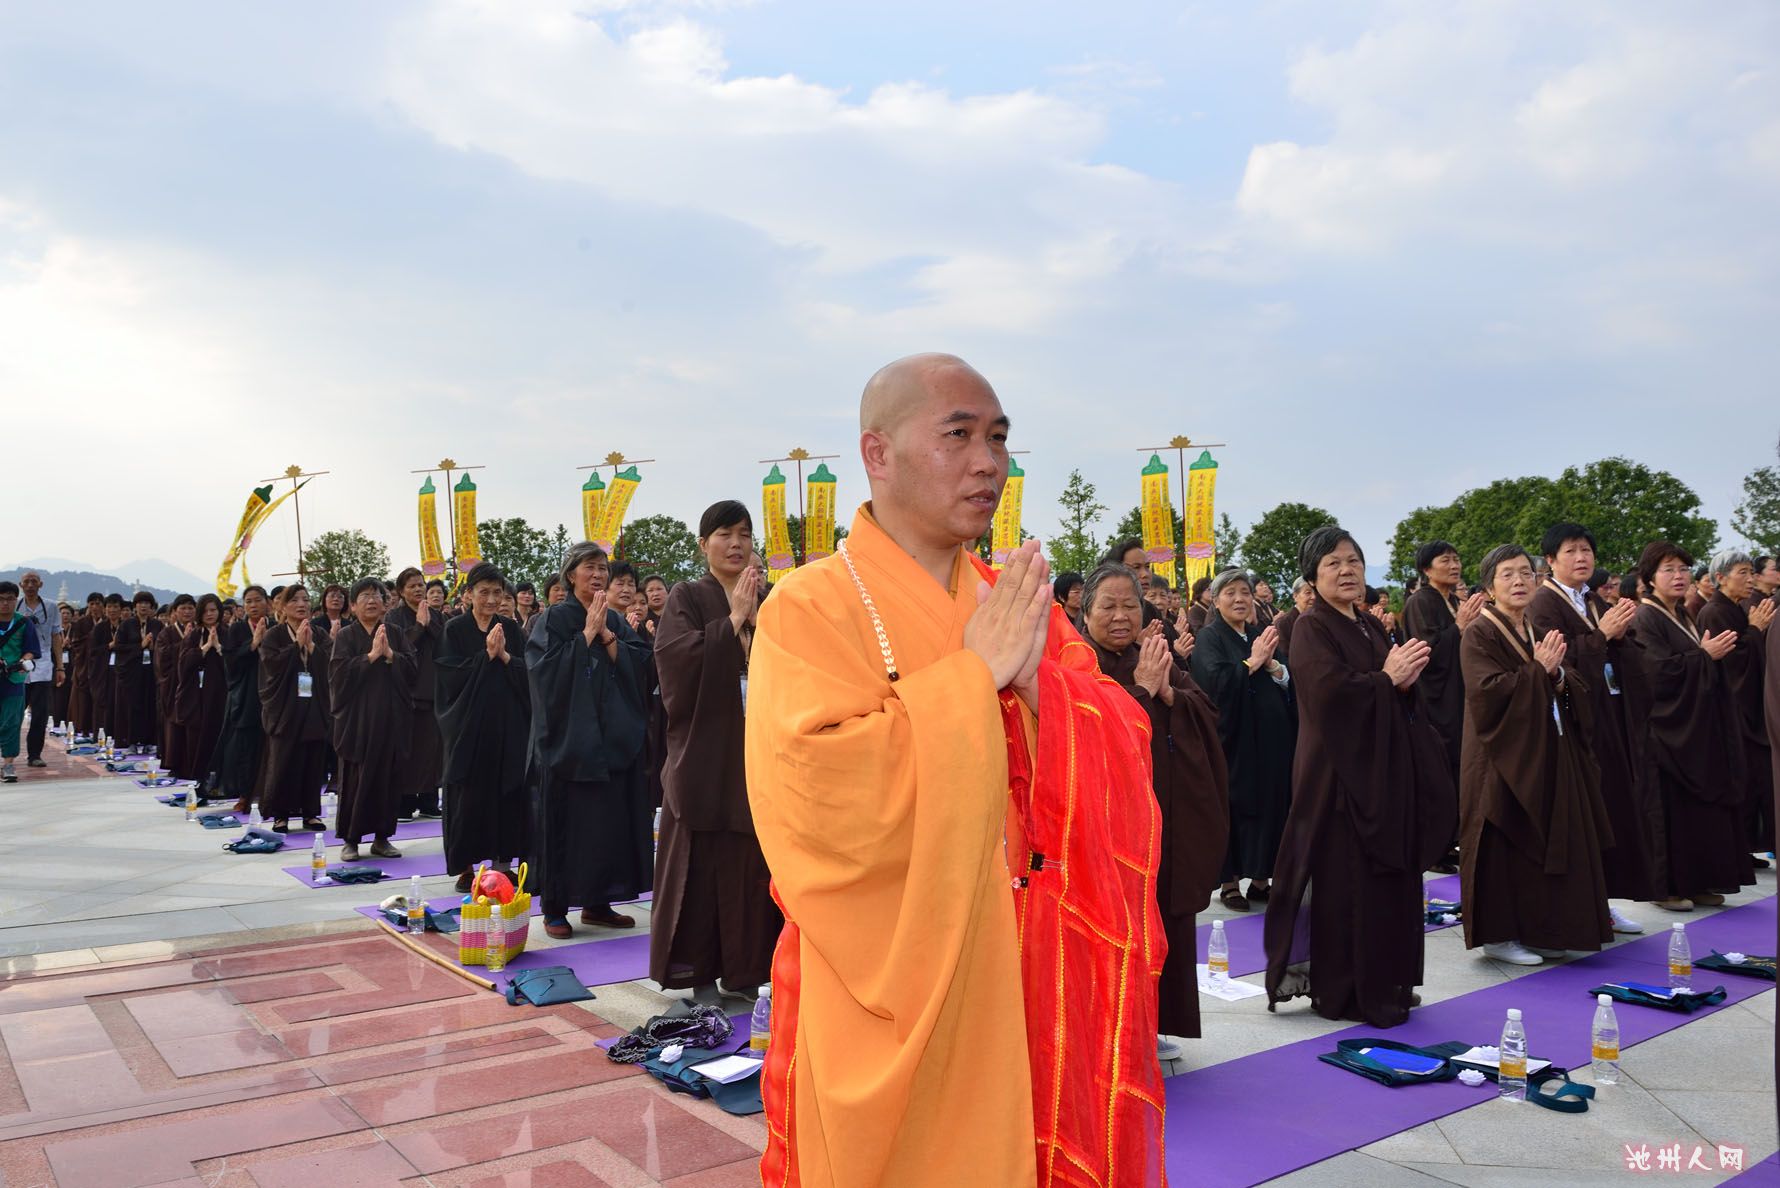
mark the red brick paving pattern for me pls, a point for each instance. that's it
(342, 1061)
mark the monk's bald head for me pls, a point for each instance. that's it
(901, 388)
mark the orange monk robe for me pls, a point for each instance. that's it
(903, 991)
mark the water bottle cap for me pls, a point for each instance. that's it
(766, 991)
(1514, 1013)
(1604, 999)
(1217, 925)
(1678, 926)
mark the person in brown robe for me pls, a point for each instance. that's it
(1438, 616)
(714, 923)
(168, 643)
(135, 695)
(371, 691)
(1594, 634)
(1771, 709)
(63, 692)
(295, 715)
(483, 700)
(80, 636)
(1733, 574)
(1303, 595)
(1531, 822)
(203, 694)
(1687, 736)
(1189, 776)
(237, 762)
(421, 629)
(102, 662)
(1372, 806)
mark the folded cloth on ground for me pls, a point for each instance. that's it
(218, 820)
(355, 874)
(546, 986)
(395, 910)
(256, 841)
(692, 1024)
(1752, 966)
(1662, 997)
(1389, 1062)
(740, 1096)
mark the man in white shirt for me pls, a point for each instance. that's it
(47, 620)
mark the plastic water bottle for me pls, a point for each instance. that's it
(330, 803)
(253, 815)
(1605, 1042)
(1511, 1071)
(318, 859)
(191, 802)
(760, 1024)
(1217, 955)
(416, 905)
(658, 828)
(1680, 959)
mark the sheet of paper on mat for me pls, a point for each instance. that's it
(1231, 991)
(728, 1069)
(1486, 1058)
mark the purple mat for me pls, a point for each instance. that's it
(1301, 1125)
(601, 962)
(1764, 1173)
(394, 869)
(1245, 934)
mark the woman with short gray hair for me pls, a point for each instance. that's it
(1187, 770)
(1733, 574)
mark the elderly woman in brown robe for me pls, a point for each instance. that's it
(1532, 825)
(1189, 775)
(1372, 806)
(1687, 738)
(370, 685)
(1727, 612)
(295, 713)
(714, 918)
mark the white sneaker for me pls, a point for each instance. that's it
(1167, 1050)
(1623, 922)
(1513, 952)
(1559, 954)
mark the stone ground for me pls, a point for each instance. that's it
(174, 1014)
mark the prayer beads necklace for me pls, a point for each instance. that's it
(871, 609)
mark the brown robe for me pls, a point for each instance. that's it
(1687, 742)
(1191, 782)
(101, 676)
(199, 704)
(166, 668)
(1532, 825)
(296, 727)
(422, 773)
(1635, 863)
(80, 698)
(1283, 626)
(484, 708)
(1743, 671)
(1372, 807)
(713, 916)
(1771, 706)
(1430, 616)
(134, 698)
(371, 702)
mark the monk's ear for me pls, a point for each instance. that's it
(874, 449)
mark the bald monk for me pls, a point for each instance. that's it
(930, 749)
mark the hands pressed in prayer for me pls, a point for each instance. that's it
(1184, 643)
(1619, 618)
(497, 644)
(423, 614)
(1549, 652)
(1007, 629)
(379, 644)
(634, 616)
(1762, 615)
(744, 599)
(212, 639)
(1149, 630)
(595, 630)
(305, 637)
(1152, 668)
(1470, 609)
(1260, 653)
(1720, 645)
(1406, 661)
(259, 633)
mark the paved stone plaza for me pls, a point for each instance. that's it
(177, 1014)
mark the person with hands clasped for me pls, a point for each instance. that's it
(370, 682)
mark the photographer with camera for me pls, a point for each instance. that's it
(18, 656)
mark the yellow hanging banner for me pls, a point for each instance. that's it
(779, 560)
(593, 495)
(818, 515)
(260, 505)
(610, 522)
(432, 557)
(1158, 520)
(469, 548)
(1007, 515)
(1202, 483)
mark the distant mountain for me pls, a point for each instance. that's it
(81, 578)
(155, 572)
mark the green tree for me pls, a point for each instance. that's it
(1474, 523)
(1757, 517)
(343, 556)
(1076, 548)
(521, 552)
(1130, 526)
(1229, 541)
(661, 544)
(1270, 549)
(1626, 505)
(794, 526)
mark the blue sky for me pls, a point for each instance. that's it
(1386, 251)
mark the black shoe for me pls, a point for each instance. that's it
(41, 763)
(428, 814)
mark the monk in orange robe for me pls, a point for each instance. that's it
(956, 810)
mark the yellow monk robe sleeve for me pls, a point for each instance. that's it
(879, 806)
